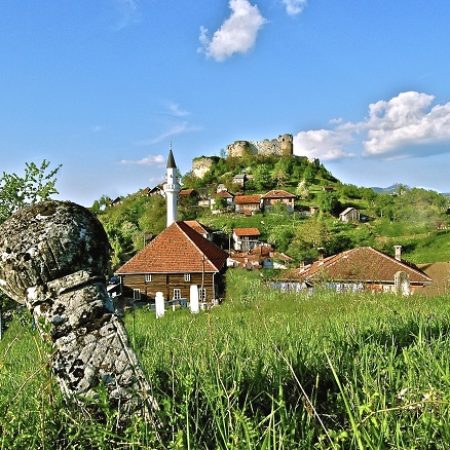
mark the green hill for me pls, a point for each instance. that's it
(412, 217)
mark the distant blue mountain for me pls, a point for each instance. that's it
(388, 190)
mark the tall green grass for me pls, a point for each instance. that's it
(263, 371)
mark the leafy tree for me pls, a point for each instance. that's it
(37, 184)
(282, 169)
(220, 204)
(281, 237)
(328, 202)
(262, 177)
(302, 190)
(309, 174)
(308, 238)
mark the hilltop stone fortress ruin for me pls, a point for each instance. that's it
(283, 145)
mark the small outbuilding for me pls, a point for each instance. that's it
(246, 239)
(350, 215)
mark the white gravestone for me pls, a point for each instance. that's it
(194, 299)
(159, 305)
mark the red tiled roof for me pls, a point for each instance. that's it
(278, 193)
(224, 194)
(363, 264)
(246, 232)
(196, 226)
(247, 199)
(186, 192)
(178, 249)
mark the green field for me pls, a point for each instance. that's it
(263, 371)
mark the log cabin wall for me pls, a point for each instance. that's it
(167, 282)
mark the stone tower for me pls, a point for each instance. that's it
(286, 142)
(171, 188)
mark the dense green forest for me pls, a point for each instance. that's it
(413, 217)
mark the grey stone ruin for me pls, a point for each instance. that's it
(53, 258)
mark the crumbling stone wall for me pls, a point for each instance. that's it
(201, 166)
(282, 146)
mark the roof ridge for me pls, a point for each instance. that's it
(418, 271)
(195, 245)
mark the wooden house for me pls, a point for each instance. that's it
(279, 196)
(188, 194)
(245, 239)
(176, 259)
(240, 179)
(350, 215)
(358, 269)
(247, 204)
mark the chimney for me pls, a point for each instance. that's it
(398, 252)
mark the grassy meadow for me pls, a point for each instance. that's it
(263, 371)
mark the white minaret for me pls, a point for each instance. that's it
(171, 188)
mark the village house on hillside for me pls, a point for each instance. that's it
(358, 269)
(240, 179)
(247, 204)
(350, 215)
(171, 263)
(261, 257)
(245, 239)
(279, 196)
(179, 257)
(188, 194)
(226, 197)
(157, 190)
(199, 228)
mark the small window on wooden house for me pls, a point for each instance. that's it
(187, 277)
(202, 294)
(136, 294)
(176, 294)
(148, 277)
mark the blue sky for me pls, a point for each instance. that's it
(103, 87)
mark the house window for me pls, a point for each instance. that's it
(187, 277)
(202, 294)
(176, 294)
(136, 294)
(148, 277)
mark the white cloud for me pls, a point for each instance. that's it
(180, 128)
(236, 35)
(294, 7)
(150, 160)
(406, 125)
(323, 144)
(175, 110)
(408, 120)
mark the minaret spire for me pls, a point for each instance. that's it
(171, 188)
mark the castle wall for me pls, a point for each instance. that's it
(281, 146)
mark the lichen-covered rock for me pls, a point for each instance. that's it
(53, 257)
